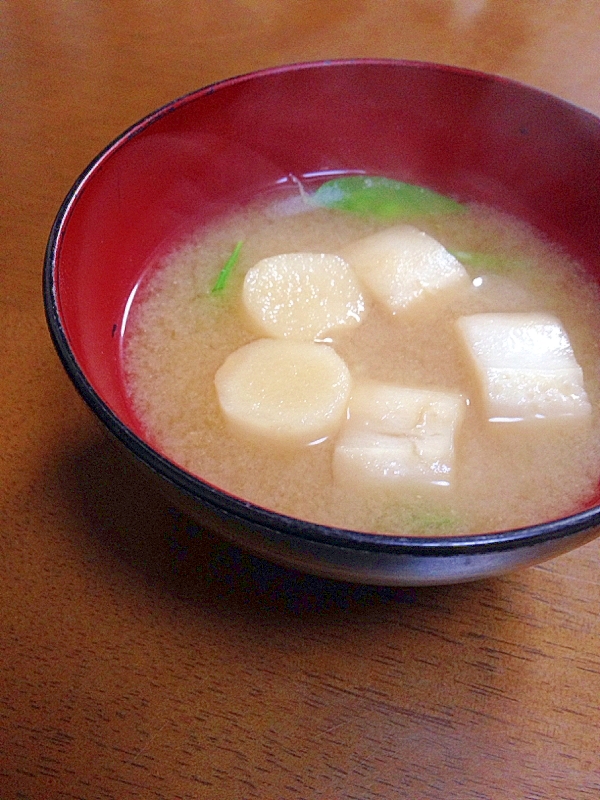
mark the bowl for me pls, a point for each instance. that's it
(474, 136)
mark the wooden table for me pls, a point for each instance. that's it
(139, 659)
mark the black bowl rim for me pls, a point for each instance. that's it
(230, 507)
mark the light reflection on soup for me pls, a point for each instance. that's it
(507, 475)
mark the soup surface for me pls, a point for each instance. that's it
(507, 475)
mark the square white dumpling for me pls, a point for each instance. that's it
(525, 366)
(402, 264)
(396, 436)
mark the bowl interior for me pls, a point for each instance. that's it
(472, 136)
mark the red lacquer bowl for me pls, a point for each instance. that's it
(476, 137)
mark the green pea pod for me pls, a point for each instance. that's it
(382, 197)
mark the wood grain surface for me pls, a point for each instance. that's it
(143, 658)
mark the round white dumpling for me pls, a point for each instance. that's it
(302, 296)
(286, 391)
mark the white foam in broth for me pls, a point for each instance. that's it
(507, 475)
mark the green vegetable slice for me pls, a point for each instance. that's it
(409, 521)
(382, 197)
(225, 273)
(433, 523)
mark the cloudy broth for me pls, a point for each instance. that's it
(507, 474)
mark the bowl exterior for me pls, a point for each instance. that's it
(409, 564)
(380, 568)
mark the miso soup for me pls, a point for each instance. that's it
(506, 475)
